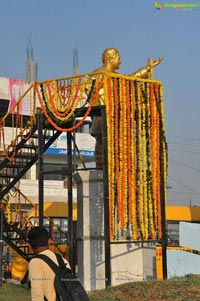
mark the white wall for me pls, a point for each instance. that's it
(180, 263)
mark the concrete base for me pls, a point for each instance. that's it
(129, 261)
(132, 262)
(90, 230)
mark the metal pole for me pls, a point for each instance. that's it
(164, 236)
(70, 201)
(40, 120)
(106, 200)
(163, 213)
(1, 247)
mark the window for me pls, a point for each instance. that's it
(173, 232)
(57, 228)
(53, 171)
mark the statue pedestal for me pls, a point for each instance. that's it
(129, 261)
(90, 230)
(132, 262)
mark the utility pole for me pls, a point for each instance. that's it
(40, 121)
(1, 247)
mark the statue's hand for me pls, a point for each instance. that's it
(156, 62)
(143, 72)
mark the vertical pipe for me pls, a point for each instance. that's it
(106, 200)
(1, 247)
(163, 204)
(70, 200)
(40, 119)
(164, 234)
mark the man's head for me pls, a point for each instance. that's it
(38, 238)
(111, 59)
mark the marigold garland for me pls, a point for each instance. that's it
(132, 165)
(136, 143)
(134, 123)
(152, 160)
(110, 147)
(55, 119)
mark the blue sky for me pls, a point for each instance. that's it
(139, 32)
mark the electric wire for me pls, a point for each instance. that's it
(184, 150)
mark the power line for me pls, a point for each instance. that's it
(184, 151)
(184, 165)
(183, 140)
(183, 144)
(180, 183)
(186, 145)
(186, 193)
(181, 137)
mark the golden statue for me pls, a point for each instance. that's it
(111, 62)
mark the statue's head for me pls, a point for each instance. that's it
(111, 59)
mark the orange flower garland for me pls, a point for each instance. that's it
(137, 154)
(68, 129)
(134, 159)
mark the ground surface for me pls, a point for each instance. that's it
(179, 289)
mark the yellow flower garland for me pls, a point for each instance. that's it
(135, 127)
(134, 206)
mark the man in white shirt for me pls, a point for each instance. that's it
(40, 274)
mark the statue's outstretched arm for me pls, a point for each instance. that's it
(156, 62)
(144, 71)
